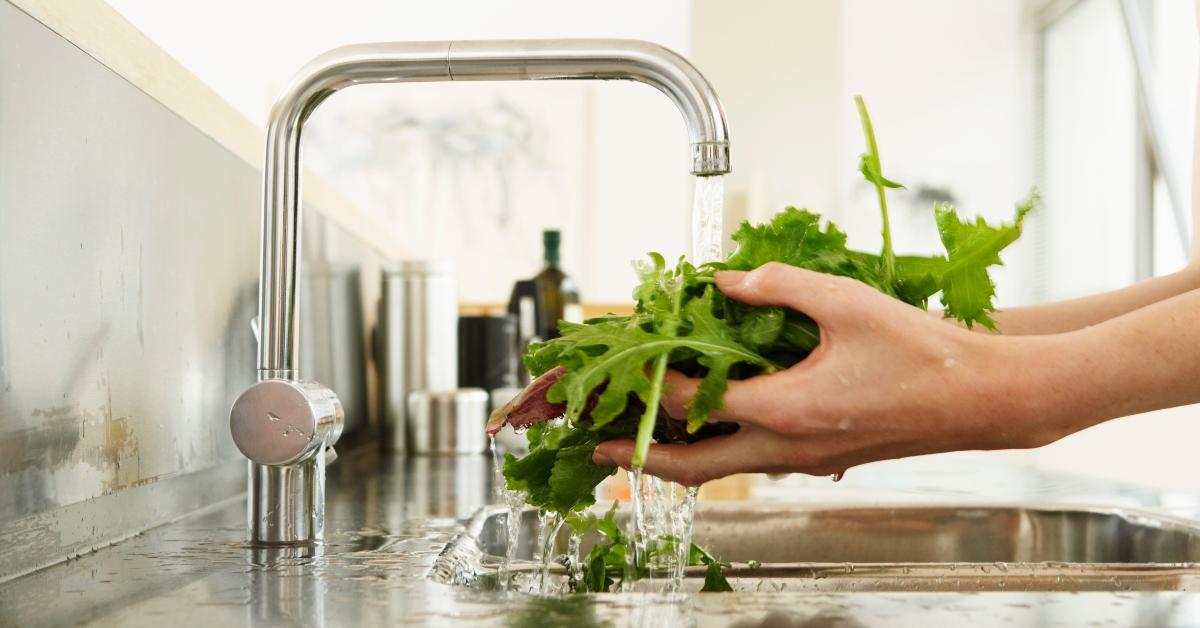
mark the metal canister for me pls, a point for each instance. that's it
(487, 351)
(418, 339)
(448, 422)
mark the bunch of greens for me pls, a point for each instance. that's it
(615, 364)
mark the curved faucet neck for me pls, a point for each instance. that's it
(580, 59)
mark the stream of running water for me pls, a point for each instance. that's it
(661, 512)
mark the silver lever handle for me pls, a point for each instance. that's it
(279, 422)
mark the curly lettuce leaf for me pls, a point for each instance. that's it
(615, 355)
(558, 473)
(795, 237)
(971, 248)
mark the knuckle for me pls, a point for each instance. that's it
(768, 277)
(793, 421)
(778, 423)
(676, 408)
(782, 425)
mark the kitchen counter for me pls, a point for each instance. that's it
(389, 518)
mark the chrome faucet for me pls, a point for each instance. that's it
(287, 427)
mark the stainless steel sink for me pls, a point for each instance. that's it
(895, 548)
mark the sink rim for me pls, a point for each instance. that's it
(1050, 575)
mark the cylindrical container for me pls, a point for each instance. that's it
(524, 304)
(418, 339)
(487, 351)
(448, 422)
(331, 332)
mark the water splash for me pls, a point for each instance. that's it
(515, 501)
(574, 567)
(635, 552)
(551, 525)
(681, 522)
(661, 509)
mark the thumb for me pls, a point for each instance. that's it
(818, 295)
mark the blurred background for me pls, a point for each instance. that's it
(973, 102)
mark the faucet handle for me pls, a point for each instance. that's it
(281, 422)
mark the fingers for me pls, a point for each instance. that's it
(819, 295)
(749, 450)
(746, 401)
(690, 465)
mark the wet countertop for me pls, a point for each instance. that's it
(389, 517)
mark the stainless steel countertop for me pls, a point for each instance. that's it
(389, 517)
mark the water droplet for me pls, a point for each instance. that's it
(837, 477)
(845, 424)
(950, 362)
(271, 416)
(903, 386)
(843, 379)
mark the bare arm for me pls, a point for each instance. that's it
(1073, 314)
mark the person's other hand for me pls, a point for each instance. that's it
(887, 381)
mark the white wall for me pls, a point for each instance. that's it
(610, 163)
(778, 66)
(1091, 154)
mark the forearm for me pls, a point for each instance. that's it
(1145, 360)
(1073, 314)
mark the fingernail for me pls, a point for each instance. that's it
(729, 278)
(602, 459)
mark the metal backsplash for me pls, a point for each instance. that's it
(128, 274)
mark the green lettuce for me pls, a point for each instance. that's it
(615, 365)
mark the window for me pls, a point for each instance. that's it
(1115, 161)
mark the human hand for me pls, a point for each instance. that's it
(887, 381)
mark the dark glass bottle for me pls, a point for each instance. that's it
(558, 296)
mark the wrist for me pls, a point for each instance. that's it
(1043, 387)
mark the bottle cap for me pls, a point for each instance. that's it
(550, 239)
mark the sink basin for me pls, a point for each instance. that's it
(892, 548)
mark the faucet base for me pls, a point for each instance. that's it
(286, 504)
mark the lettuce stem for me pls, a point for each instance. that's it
(670, 327)
(650, 416)
(873, 162)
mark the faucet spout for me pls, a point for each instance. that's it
(278, 304)
(608, 59)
